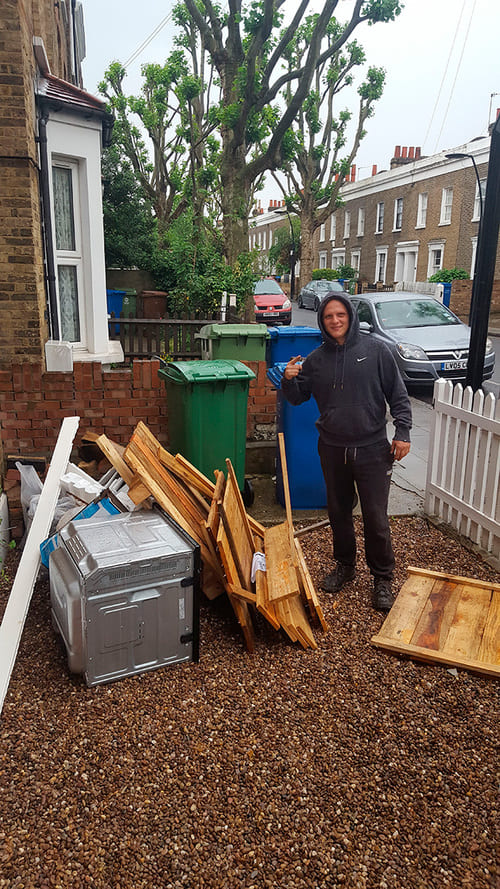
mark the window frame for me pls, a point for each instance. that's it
(65, 257)
(423, 202)
(379, 219)
(398, 214)
(361, 221)
(446, 206)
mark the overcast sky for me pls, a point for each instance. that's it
(441, 56)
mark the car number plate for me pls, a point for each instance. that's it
(270, 314)
(459, 364)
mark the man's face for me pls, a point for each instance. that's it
(336, 320)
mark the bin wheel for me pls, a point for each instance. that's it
(248, 493)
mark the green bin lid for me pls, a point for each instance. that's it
(212, 331)
(205, 371)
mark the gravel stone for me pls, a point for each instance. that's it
(342, 767)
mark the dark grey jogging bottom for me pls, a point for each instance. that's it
(370, 467)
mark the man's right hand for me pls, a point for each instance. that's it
(293, 367)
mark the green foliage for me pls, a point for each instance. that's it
(129, 226)
(343, 271)
(281, 251)
(324, 274)
(445, 276)
(189, 265)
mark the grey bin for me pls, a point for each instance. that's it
(124, 593)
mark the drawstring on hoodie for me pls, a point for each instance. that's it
(354, 455)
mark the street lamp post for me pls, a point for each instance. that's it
(484, 266)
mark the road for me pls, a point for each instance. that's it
(307, 318)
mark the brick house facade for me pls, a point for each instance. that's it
(403, 223)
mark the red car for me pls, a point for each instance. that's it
(272, 305)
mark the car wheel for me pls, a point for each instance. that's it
(316, 304)
(300, 302)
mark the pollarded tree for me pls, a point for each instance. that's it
(246, 44)
(170, 166)
(320, 157)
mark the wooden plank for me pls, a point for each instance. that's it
(286, 490)
(262, 600)
(233, 482)
(19, 600)
(212, 521)
(401, 621)
(285, 619)
(137, 491)
(307, 587)
(436, 657)
(246, 595)
(468, 581)
(489, 650)
(239, 606)
(437, 615)
(137, 453)
(114, 454)
(301, 624)
(466, 631)
(281, 575)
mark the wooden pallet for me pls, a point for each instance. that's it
(445, 619)
(215, 516)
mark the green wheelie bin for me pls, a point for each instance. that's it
(207, 413)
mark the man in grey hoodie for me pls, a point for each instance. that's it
(353, 378)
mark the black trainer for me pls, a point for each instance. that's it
(383, 597)
(337, 580)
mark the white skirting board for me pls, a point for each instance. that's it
(14, 617)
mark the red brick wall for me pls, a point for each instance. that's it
(33, 404)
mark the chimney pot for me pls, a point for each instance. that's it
(404, 152)
(411, 152)
(353, 173)
(417, 152)
(374, 170)
(397, 151)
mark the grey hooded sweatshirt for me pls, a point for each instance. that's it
(352, 383)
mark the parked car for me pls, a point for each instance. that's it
(272, 305)
(427, 340)
(313, 293)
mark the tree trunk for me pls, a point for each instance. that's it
(307, 229)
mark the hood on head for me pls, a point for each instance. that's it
(353, 331)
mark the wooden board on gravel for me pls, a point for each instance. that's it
(445, 619)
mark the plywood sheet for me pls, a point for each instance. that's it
(445, 619)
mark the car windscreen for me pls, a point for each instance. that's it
(328, 285)
(268, 286)
(413, 313)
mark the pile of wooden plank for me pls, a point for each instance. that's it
(258, 568)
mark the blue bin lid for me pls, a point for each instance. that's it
(185, 372)
(297, 331)
(276, 372)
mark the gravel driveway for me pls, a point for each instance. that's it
(292, 769)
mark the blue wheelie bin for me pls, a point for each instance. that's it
(284, 342)
(297, 422)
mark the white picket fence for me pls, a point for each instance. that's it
(463, 470)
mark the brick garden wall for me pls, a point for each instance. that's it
(33, 404)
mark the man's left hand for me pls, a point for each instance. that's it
(400, 449)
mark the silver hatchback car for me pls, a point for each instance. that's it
(313, 294)
(427, 340)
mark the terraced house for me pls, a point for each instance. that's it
(405, 223)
